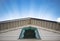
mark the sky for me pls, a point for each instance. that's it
(42, 9)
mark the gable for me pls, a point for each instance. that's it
(30, 21)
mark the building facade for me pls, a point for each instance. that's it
(11, 29)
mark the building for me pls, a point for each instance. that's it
(29, 28)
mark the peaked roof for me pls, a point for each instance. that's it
(28, 18)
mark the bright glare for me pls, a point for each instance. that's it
(58, 19)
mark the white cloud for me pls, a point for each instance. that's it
(58, 19)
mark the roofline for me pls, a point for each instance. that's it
(14, 20)
(27, 18)
(45, 20)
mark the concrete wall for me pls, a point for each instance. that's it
(10, 35)
(37, 22)
(46, 24)
(44, 34)
(47, 35)
(13, 24)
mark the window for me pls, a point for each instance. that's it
(29, 33)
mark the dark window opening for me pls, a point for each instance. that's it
(29, 33)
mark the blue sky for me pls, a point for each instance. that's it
(43, 9)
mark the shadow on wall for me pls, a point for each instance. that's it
(29, 33)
